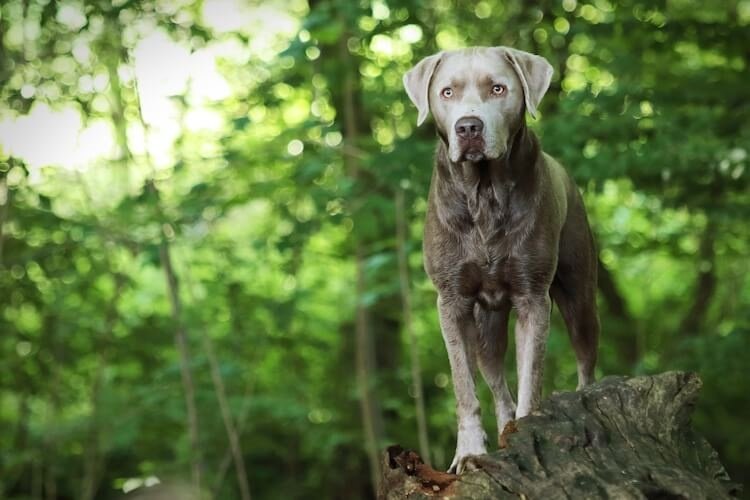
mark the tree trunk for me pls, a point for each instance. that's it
(364, 371)
(50, 441)
(230, 427)
(93, 461)
(365, 355)
(229, 423)
(236, 315)
(91, 454)
(705, 284)
(185, 359)
(241, 424)
(625, 331)
(175, 302)
(416, 370)
(4, 209)
(619, 438)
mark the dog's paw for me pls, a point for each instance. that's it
(471, 442)
(463, 464)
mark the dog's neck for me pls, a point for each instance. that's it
(520, 162)
(516, 169)
(494, 195)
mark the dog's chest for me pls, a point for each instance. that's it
(486, 272)
(486, 281)
(489, 209)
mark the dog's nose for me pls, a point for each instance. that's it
(469, 127)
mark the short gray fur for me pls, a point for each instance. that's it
(505, 229)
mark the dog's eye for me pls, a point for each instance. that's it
(447, 92)
(498, 89)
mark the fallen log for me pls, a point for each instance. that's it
(621, 438)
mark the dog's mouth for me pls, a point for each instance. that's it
(472, 155)
(476, 152)
(473, 150)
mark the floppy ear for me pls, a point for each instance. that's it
(535, 74)
(417, 84)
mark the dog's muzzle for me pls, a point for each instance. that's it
(470, 138)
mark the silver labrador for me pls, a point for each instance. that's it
(506, 229)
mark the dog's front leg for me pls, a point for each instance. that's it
(532, 329)
(460, 335)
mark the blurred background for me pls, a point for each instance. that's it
(211, 217)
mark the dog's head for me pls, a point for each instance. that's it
(477, 96)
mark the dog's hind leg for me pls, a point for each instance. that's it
(582, 321)
(493, 343)
(532, 330)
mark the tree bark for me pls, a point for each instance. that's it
(621, 438)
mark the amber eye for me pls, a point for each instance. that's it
(498, 89)
(447, 92)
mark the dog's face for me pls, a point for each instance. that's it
(477, 96)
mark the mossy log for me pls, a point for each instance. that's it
(621, 438)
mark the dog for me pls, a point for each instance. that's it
(505, 228)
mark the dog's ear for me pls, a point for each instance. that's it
(535, 74)
(417, 84)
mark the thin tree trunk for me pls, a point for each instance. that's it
(48, 461)
(625, 328)
(20, 441)
(227, 460)
(615, 302)
(364, 374)
(37, 479)
(91, 452)
(364, 352)
(416, 371)
(4, 209)
(705, 285)
(92, 455)
(229, 424)
(49, 466)
(181, 341)
(180, 334)
(236, 315)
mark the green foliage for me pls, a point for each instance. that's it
(246, 168)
